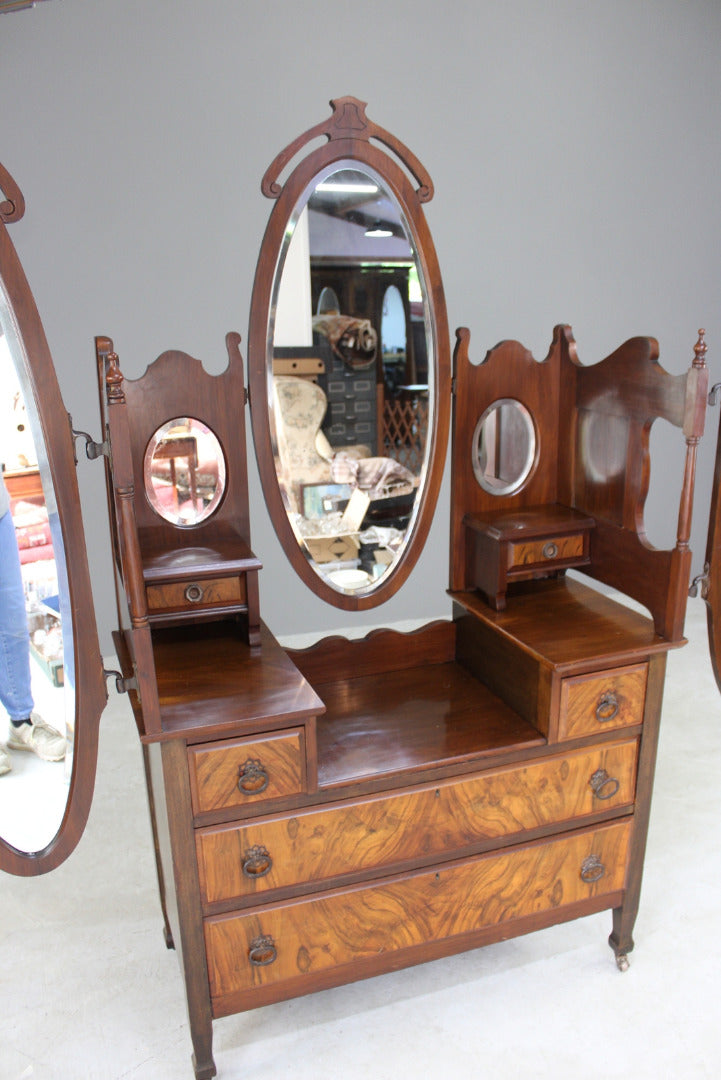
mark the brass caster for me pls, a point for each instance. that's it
(622, 962)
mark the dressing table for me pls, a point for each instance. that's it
(331, 813)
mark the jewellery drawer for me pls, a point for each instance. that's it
(203, 593)
(379, 926)
(314, 845)
(602, 701)
(238, 772)
(549, 550)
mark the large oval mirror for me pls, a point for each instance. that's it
(349, 366)
(52, 688)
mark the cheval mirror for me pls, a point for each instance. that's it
(329, 814)
(44, 804)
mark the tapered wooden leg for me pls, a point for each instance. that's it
(167, 932)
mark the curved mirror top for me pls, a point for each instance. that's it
(184, 472)
(350, 439)
(36, 641)
(504, 447)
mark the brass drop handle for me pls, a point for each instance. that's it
(603, 785)
(262, 951)
(592, 869)
(607, 708)
(193, 593)
(256, 862)
(549, 550)
(252, 777)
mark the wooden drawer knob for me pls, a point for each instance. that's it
(256, 862)
(592, 869)
(603, 785)
(607, 708)
(252, 777)
(262, 951)
(193, 593)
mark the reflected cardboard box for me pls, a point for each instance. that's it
(344, 545)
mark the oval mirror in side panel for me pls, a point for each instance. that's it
(349, 360)
(51, 672)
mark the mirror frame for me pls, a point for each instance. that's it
(348, 132)
(90, 689)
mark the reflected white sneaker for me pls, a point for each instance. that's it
(5, 765)
(39, 737)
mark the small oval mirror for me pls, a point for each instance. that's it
(184, 472)
(504, 447)
(351, 436)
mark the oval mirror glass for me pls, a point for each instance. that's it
(50, 665)
(184, 472)
(344, 346)
(504, 447)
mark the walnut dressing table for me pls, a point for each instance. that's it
(332, 813)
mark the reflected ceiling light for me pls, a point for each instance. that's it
(379, 230)
(348, 187)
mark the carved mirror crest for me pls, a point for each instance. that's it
(349, 360)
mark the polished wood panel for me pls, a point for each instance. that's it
(432, 821)
(359, 926)
(220, 774)
(591, 704)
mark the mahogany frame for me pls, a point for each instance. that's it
(348, 132)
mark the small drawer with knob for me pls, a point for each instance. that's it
(192, 595)
(603, 701)
(241, 772)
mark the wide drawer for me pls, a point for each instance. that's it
(239, 772)
(192, 594)
(602, 701)
(551, 549)
(379, 926)
(425, 822)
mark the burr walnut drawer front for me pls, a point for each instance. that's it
(191, 594)
(239, 772)
(603, 701)
(426, 822)
(551, 549)
(379, 926)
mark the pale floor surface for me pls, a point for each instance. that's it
(89, 992)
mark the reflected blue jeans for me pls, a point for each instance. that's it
(15, 692)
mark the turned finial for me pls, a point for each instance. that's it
(113, 378)
(699, 350)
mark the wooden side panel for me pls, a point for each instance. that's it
(376, 925)
(277, 768)
(592, 704)
(427, 822)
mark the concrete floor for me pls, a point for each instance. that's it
(89, 992)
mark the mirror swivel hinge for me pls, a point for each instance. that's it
(702, 581)
(122, 685)
(93, 449)
(713, 394)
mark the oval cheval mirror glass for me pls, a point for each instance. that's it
(349, 360)
(50, 665)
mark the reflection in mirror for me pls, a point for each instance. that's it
(350, 428)
(35, 680)
(504, 447)
(184, 471)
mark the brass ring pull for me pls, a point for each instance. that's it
(592, 869)
(603, 785)
(193, 593)
(262, 951)
(252, 777)
(549, 550)
(256, 862)
(607, 708)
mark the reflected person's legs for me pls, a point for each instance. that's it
(28, 731)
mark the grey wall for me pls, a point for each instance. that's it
(574, 147)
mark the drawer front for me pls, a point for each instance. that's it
(315, 845)
(292, 941)
(187, 595)
(239, 772)
(602, 702)
(551, 550)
